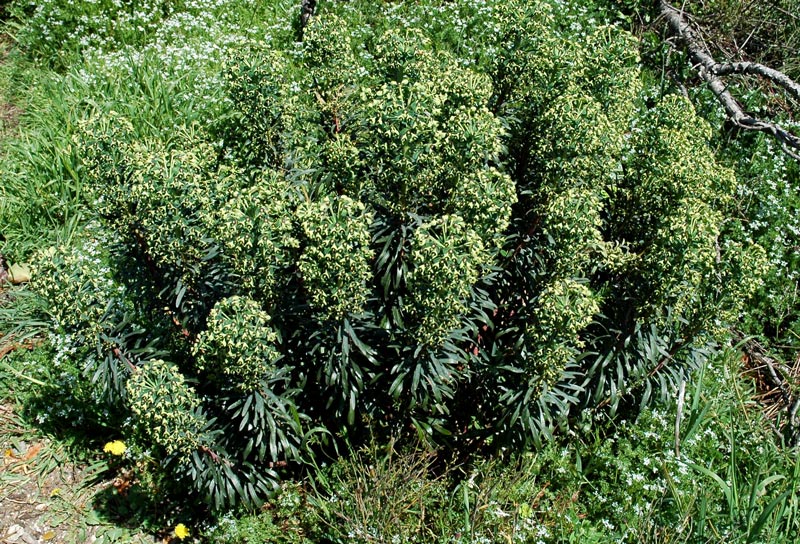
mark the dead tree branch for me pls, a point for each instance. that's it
(757, 69)
(307, 9)
(780, 380)
(712, 71)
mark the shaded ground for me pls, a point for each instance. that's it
(9, 116)
(44, 497)
(30, 499)
(9, 113)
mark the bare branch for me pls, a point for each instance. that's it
(780, 379)
(307, 8)
(760, 70)
(710, 71)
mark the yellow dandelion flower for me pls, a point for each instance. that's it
(181, 531)
(117, 447)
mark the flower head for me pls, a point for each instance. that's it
(117, 447)
(181, 531)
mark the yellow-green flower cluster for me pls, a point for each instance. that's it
(238, 347)
(170, 196)
(336, 264)
(448, 258)
(678, 199)
(561, 311)
(163, 198)
(258, 88)
(328, 52)
(254, 229)
(419, 136)
(484, 200)
(165, 408)
(79, 286)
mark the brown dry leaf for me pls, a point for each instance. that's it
(7, 347)
(32, 452)
(123, 482)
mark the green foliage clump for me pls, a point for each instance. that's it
(720, 479)
(131, 181)
(94, 327)
(677, 205)
(164, 408)
(392, 227)
(237, 349)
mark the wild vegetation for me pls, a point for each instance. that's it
(469, 271)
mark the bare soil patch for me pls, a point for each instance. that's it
(45, 498)
(9, 112)
(32, 498)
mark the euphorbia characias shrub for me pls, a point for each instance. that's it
(405, 227)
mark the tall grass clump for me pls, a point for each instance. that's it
(160, 75)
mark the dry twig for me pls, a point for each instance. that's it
(777, 383)
(712, 73)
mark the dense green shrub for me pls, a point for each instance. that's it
(400, 226)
